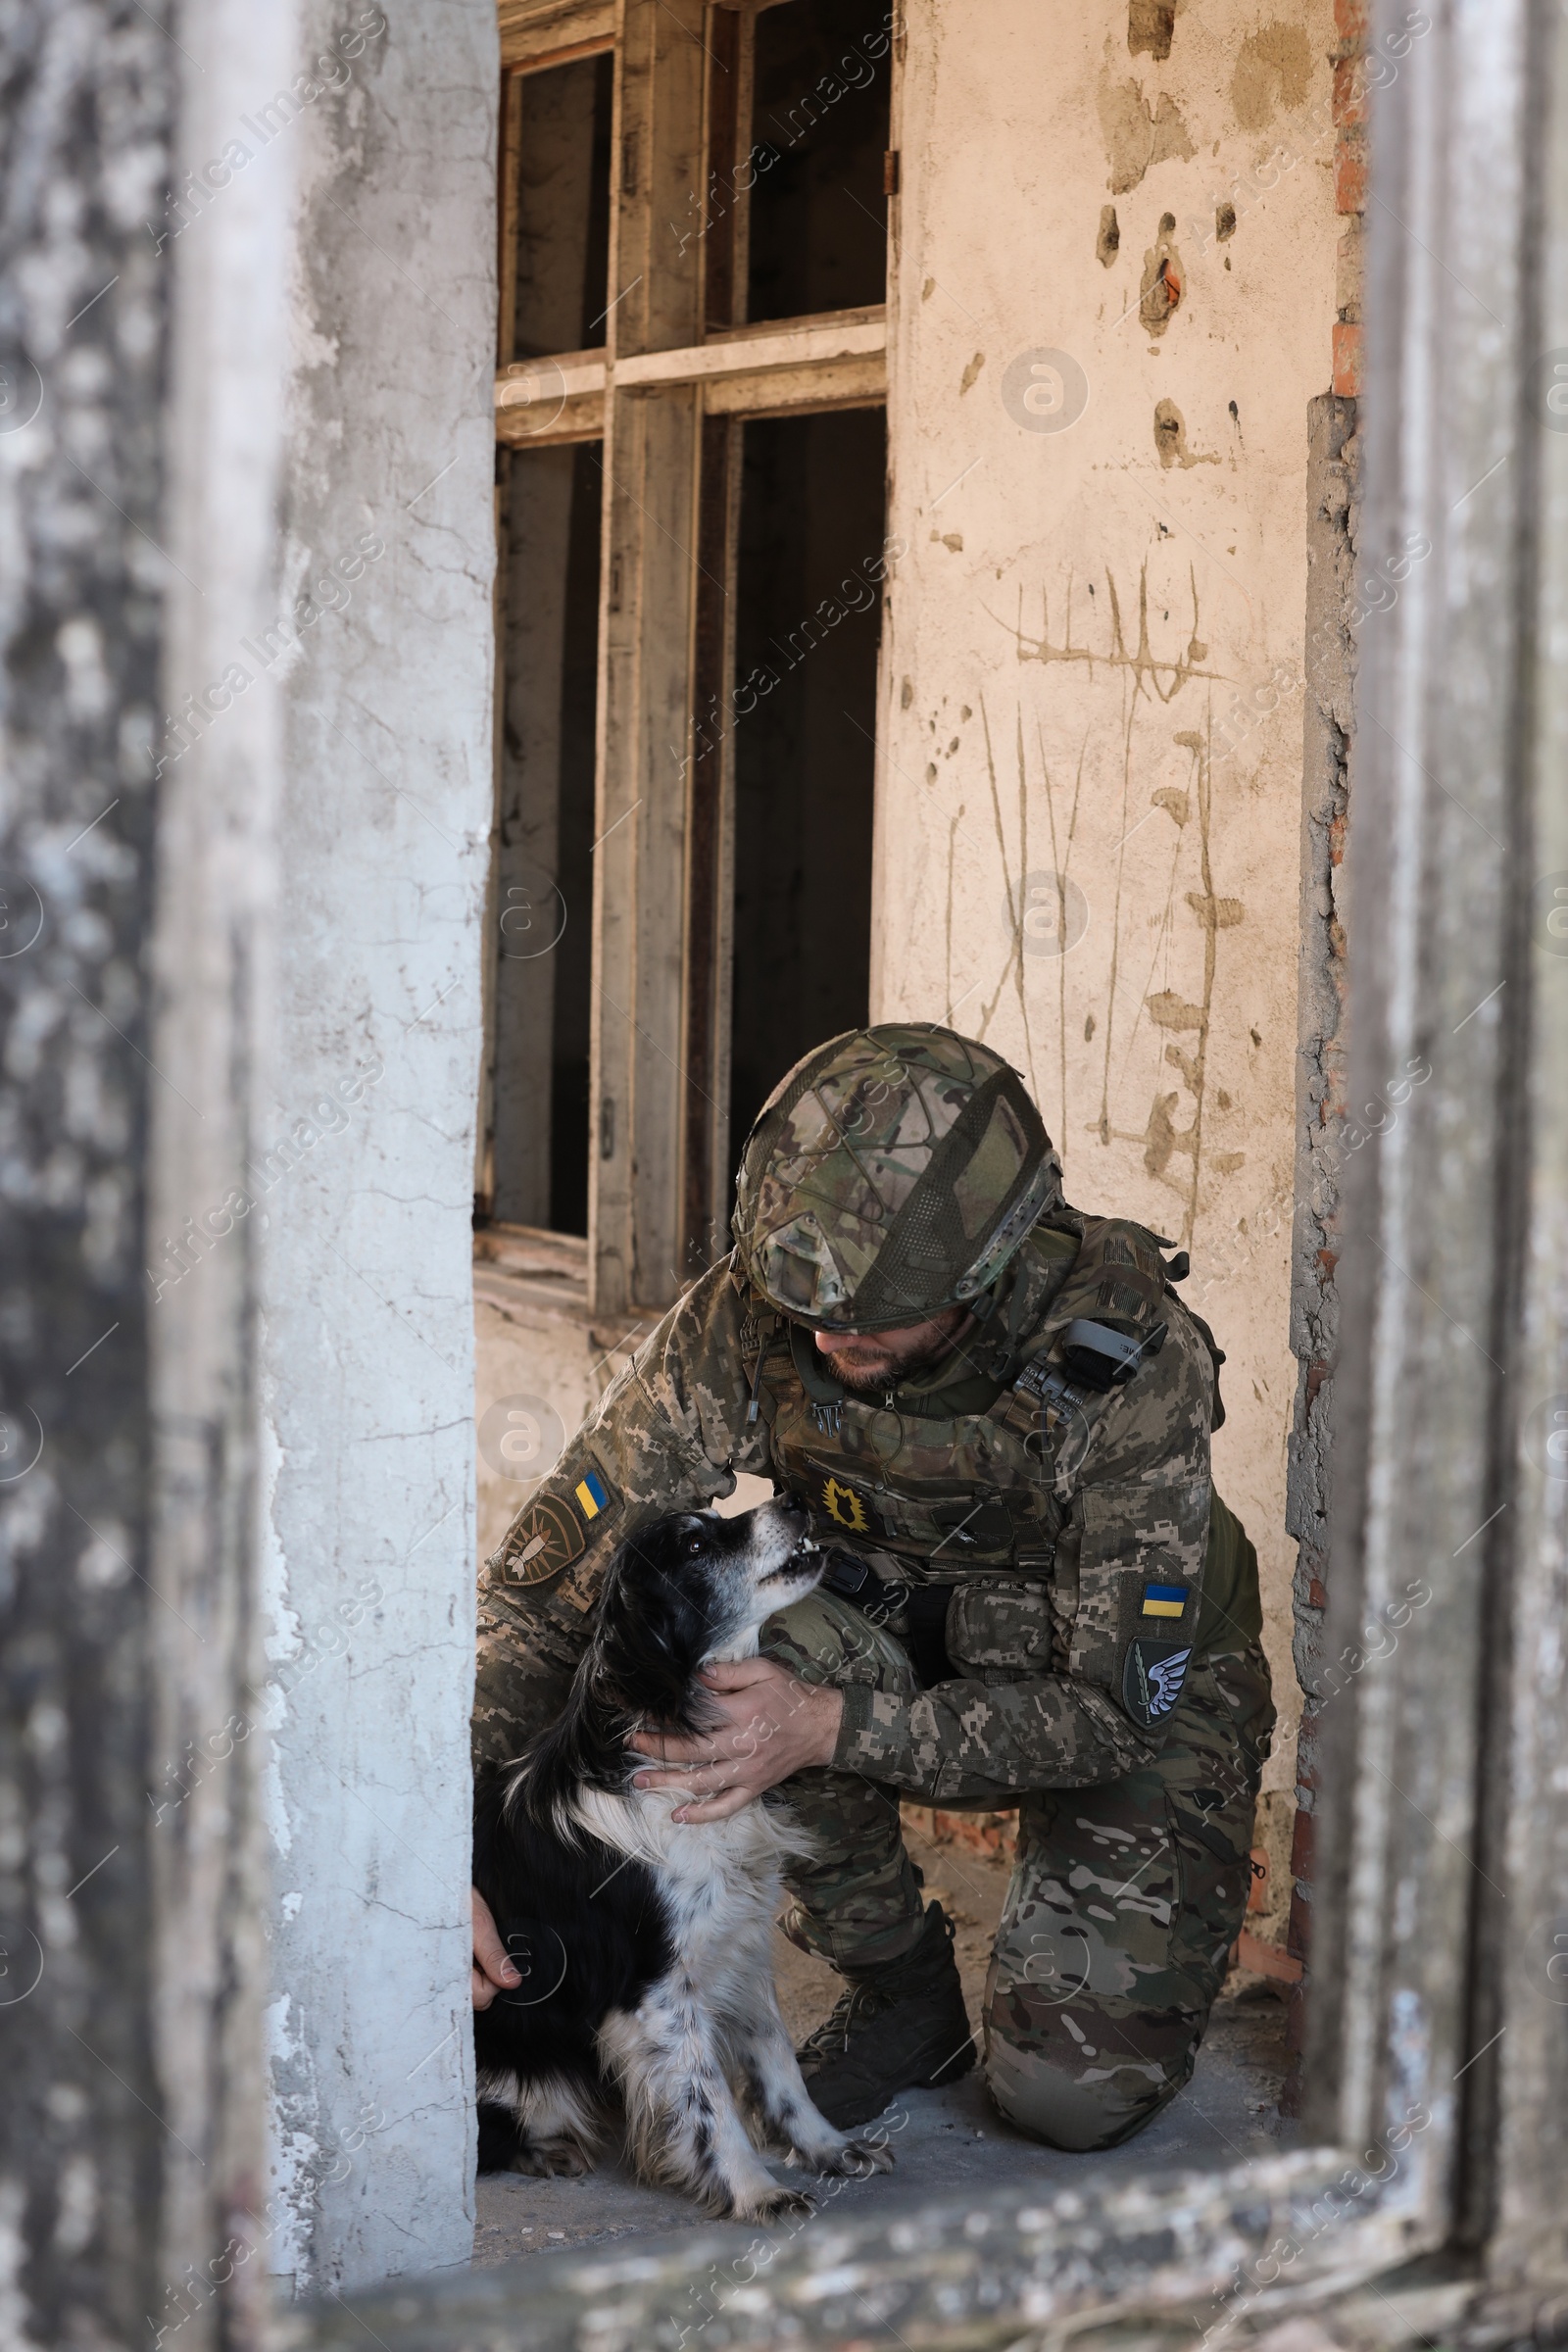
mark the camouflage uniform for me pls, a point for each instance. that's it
(1102, 1625)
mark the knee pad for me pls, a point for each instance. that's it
(1078, 2105)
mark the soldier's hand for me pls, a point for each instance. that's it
(772, 1725)
(493, 1972)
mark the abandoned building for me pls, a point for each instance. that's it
(553, 557)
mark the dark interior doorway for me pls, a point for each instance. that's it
(809, 619)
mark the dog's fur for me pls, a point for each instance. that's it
(644, 1942)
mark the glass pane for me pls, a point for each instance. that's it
(808, 619)
(544, 895)
(562, 200)
(819, 129)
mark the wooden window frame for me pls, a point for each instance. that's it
(665, 397)
(1432, 2207)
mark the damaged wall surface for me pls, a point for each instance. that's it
(367, 1355)
(1093, 658)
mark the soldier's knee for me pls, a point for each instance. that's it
(1075, 2096)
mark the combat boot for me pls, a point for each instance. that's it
(901, 2025)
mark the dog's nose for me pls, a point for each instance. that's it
(788, 1500)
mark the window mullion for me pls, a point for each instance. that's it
(646, 635)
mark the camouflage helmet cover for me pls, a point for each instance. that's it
(891, 1175)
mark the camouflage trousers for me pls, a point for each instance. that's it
(1125, 1898)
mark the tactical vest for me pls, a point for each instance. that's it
(975, 1481)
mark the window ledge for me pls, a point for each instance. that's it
(533, 1275)
(519, 1267)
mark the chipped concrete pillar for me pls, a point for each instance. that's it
(139, 430)
(382, 667)
(1440, 1941)
(248, 791)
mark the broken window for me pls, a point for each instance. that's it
(697, 303)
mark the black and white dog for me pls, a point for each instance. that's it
(644, 1942)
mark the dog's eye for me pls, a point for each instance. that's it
(694, 1543)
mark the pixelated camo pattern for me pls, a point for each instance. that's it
(1127, 1891)
(1054, 1567)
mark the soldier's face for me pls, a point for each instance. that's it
(871, 1360)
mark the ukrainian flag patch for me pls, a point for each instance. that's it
(1161, 1600)
(593, 1495)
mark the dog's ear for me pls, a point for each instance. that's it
(653, 1628)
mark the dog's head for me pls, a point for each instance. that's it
(694, 1587)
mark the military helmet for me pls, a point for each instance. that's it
(891, 1174)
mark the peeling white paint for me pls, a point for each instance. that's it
(368, 1466)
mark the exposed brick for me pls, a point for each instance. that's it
(1352, 20)
(1350, 91)
(1317, 1597)
(1302, 1845)
(1348, 360)
(1349, 173)
(993, 1834)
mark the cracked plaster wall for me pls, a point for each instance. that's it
(1094, 658)
(367, 1345)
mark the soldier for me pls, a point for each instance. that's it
(998, 1413)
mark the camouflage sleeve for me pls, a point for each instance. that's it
(669, 1434)
(1138, 1527)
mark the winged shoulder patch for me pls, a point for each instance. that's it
(1152, 1678)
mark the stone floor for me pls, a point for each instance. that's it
(943, 2139)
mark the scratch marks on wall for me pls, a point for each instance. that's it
(1159, 674)
(1014, 880)
(1139, 1004)
(1062, 849)
(1213, 916)
(1178, 1018)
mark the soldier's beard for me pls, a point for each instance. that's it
(869, 1360)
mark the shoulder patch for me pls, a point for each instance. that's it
(546, 1540)
(594, 1497)
(1152, 1676)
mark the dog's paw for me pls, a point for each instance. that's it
(774, 2204)
(850, 2159)
(552, 2160)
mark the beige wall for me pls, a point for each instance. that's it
(1081, 609)
(1092, 657)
